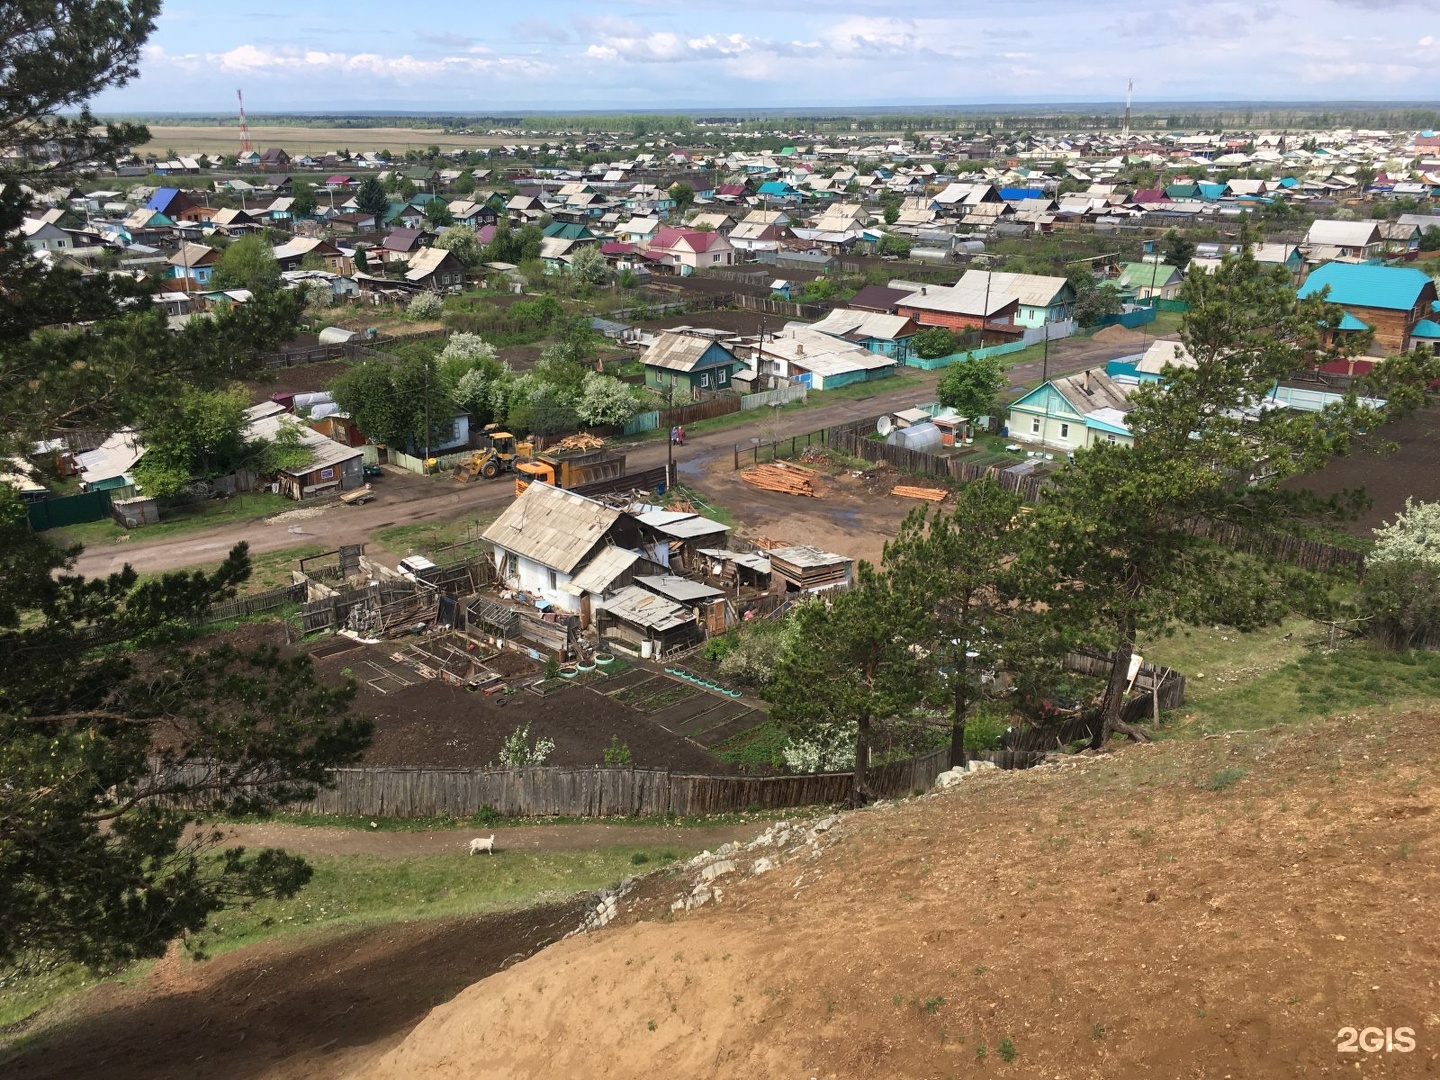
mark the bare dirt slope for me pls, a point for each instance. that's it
(1211, 909)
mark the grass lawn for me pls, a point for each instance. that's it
(200, 515)
(425, 538)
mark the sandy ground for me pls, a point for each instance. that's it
(1118, 919)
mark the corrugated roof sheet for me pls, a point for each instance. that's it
(681, 590)
(643, 608)
(602, 571)
(554, 527)
(1395, 288)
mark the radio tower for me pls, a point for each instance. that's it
(1124, 132)
(245, 146)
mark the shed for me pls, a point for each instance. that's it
(635, 615)
(806, 569)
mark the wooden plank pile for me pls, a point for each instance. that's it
(928, 494)
(579, 441)
(786, 479)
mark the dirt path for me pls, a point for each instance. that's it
(403, 499)
(321, 840)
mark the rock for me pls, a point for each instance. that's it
(826, 824)
(715, 869)
(761, 866)
(948, 779)
(979, 766)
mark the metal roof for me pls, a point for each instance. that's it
(803, 555)
(633, 604)
(1397, 288)
(681, 590)
(601, 571)
(680, 352)
(747, 559)
(554, 527)
(1033, 290)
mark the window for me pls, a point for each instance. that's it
(704, 380)
(1035, 426)
(553, 581)
(722, 377)
(1064, 431)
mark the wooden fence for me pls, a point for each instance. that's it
(410, 792)
(1307, 554)
(258, 604)
(810, 312)
(851, 439)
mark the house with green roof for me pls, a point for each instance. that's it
(1147, 279)
(1389, 301)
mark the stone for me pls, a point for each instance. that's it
(761, 866)
(715, 869)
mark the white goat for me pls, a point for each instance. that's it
(483, 843)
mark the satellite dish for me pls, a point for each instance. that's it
(884, 425)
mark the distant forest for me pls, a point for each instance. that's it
(983, 119)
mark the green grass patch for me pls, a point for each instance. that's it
(426, 538)
(872, 387)
(358, 890)
(200, 515)
(1318, 683)
(1216, 659)
(1223, 779)
(756, 749)
(26, 990)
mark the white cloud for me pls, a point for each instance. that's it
(1427, 41)
(255, 60)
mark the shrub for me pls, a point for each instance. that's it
(826, 749)
(617, 753)
(934, 341)
(517, 751)
(425, 305)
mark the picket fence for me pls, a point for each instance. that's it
(783, 396)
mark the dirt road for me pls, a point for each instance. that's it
(323, 840)
(403, 499)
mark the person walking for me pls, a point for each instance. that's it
(674, 435)
(680, 433)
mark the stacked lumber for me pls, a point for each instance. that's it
(786, 479)
(765, 543)
(578, 441)
(928, 494)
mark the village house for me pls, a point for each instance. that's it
(292, 253)
(333, 467)
(1043, 299)
(436, 269)
(193, 264)
(1390, 301)
(691, 249)
(888, 335)
(693, 360)
(962, 306)
(1355, 240)
(1151, 279)
(1072, 413)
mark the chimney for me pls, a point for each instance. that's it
(799, 349)
(922, 290)
(1087, 380)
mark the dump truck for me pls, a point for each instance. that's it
(498, 454)
(569, 470)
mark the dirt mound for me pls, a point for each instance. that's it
(1188, 910)
(1118, 335)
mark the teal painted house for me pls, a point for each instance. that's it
(1072, 413)
(700, 364)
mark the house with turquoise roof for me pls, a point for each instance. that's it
(1072, 413)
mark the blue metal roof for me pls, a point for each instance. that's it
(1015, 194)
(1349, 322)
(1426, 329)
(162, 199)
(1212, 191)
(1396, 288)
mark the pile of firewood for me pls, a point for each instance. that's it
(786, 479)
(579, 441)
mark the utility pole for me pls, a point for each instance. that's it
(427, 416)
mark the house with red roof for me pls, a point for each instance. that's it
(688, 250)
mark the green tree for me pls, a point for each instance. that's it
(891, 211)
(462, 242)
(248, 263)
(371, 198)
(102, 699)
(548, 410)
(305, 203)
(465, 184)
(684, 196)
(972, 386)
(201, 439)
(1179, 250)
(1400, 596)
(894, 244)
(934, 341)
(981, 639)
(847, 667)
(390, 399)
(589, 266)
(1430, 239)
(437, 214)
(1117, 526)
(604, 399)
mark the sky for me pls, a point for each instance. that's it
(491, 58)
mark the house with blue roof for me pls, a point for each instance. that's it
(778, 191)
(1389, 301)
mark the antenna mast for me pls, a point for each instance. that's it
(245, 146)
(1124, 133)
